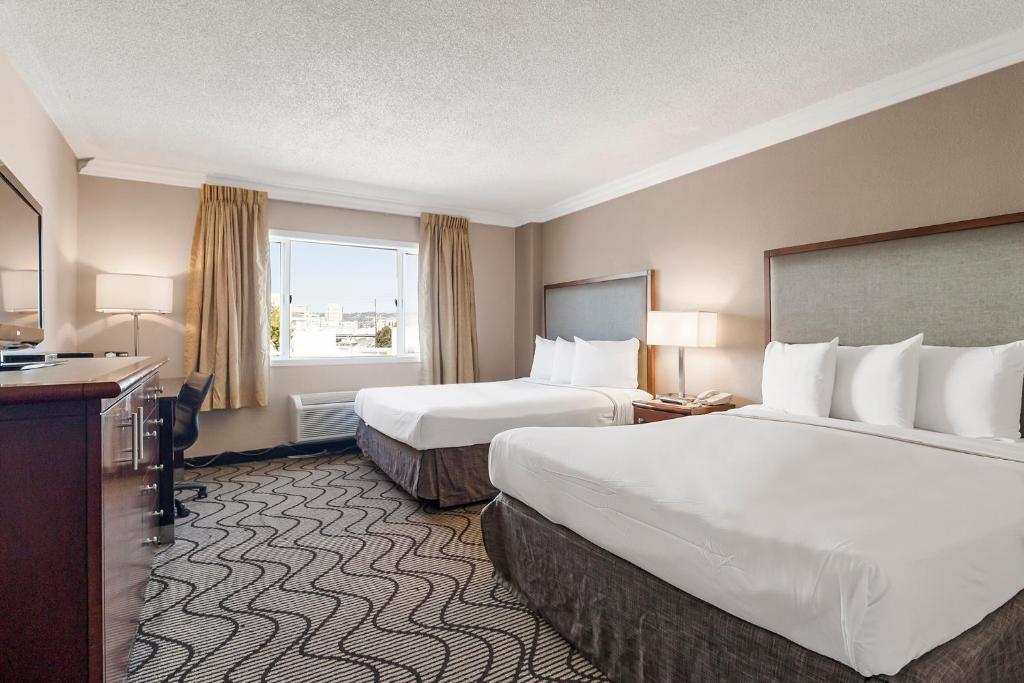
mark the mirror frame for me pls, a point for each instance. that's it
(12, 336)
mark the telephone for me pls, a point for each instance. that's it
(713, 397)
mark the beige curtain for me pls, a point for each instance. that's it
(447, 303)
(227, 321)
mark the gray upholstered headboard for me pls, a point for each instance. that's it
(614, 307)
(961, 284)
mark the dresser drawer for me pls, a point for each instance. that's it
(119, 434)
(146, 396)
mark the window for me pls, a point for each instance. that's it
(340, 297)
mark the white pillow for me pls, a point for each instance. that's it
(797, 378)
(543, 358)
(605, 363)
(974, 391)
(561, 371)
(878, 384)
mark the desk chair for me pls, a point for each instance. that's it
(186, 429)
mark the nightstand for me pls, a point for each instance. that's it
(655, 411)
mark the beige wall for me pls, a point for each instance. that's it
(953, 154)
(956, 153)
(128, 226)
(33, 148)
(528, 293)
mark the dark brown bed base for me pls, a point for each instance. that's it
(635, 627)
(444, 476)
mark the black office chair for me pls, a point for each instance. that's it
(186, 429)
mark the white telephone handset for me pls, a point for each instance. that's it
(713, 397)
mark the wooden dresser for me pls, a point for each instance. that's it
(78, 515)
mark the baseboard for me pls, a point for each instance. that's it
(280, 451)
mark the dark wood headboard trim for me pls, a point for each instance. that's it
(648, 275)
(971, 224)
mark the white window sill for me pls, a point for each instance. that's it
(406, 359)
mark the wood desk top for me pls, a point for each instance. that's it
(75, 379)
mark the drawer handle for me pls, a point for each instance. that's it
(641, 420)
(152, 540)
(151, 435)
(136, 422)
(158, 422)
(155, 513)
(150, 487)
(157, 468)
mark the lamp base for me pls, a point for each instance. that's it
(135, 334)
(682, 370)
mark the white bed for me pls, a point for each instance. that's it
(454, 415)
(870, 545)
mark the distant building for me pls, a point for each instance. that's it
(335, 315)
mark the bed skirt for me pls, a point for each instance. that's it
(444, 476)
(636, 627)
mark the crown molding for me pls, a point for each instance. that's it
(281, 189)
(104, 168)
(941, 72)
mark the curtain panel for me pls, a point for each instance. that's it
(227, 326)
(448, 343)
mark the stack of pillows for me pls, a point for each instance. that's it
(586, 363)
(973, 391)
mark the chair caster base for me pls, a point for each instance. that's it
(180, 511)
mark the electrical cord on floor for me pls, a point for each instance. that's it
(190, 464)
(325, 451)
(213, 458)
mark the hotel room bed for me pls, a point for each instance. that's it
(817, 530)
(433, 440)
(636, 627)
(751, 545)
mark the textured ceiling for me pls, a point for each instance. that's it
(508, 107)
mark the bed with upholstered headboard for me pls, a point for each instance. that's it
(612, 307)
(655, 570)
(960, 284)
(434, 440)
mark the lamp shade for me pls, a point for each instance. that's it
(118, 293)
(19, 290)
(690, 328)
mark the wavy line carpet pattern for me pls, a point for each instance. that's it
(322, 569)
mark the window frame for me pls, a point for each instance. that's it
(401, 249)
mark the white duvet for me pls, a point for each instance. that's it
(450, 415)
(868, 545)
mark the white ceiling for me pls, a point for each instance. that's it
(504, 111)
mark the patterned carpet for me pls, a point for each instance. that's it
(321, 569)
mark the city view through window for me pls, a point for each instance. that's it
(342, 300)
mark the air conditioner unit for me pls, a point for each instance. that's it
(328, 416)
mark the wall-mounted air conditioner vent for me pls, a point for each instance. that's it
(322, 417)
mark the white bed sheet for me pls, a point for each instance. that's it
(870, 545)
(450, 415)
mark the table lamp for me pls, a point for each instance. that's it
(682, 329)
(133, 294)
